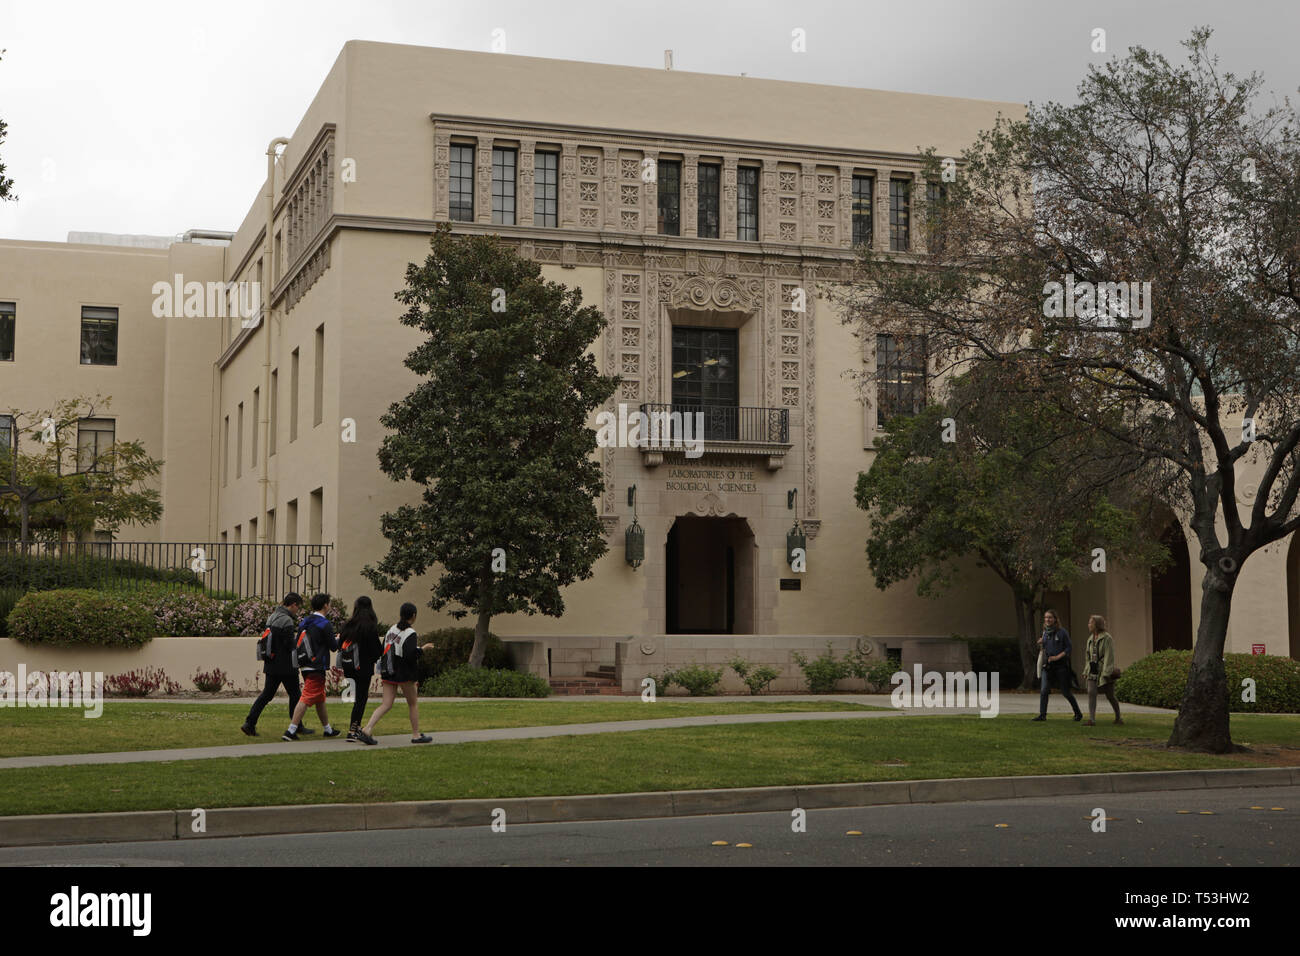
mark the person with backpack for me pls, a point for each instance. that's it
(359, 651)
(1099, 660)
(399, 668)
(276, 654)
(316, 638)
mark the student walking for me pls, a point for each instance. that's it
(1056, 665)
(316, 639)
(1099, 662)
(359, 651)
(280, 668)
(399, 669)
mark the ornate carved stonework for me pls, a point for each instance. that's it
(810, 400)
(706, 286)
(713, 505)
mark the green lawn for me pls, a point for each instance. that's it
(164, 726)
(800, 752)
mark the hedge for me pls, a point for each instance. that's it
(1160, 679)
(451, 648)
(34, 572)
(484, 682)
(70, 617)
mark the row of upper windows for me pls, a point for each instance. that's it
(95, 437)
(669, 176)
(98, 344)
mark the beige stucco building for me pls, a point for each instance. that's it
(699, 212)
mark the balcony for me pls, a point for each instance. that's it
(727, 430)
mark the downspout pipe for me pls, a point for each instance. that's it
(268, 281)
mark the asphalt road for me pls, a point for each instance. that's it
(1143, 829)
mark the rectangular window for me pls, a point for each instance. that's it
(270, 526)
(8, 321)
(900, 377)
(316, 527)
(707, 219)
(503, 186)
(257, 402)
(670, 197)
(900, 215)
(863, 189)
(94, 439)
(704, 378)
(461, 195)
(293, 396)
(318, 398)
(279, 256)
(275, 406)
(936, 193)
(747, 203)
(291, 522)
(239, 440)
(225, 451)
(238, 537)
(6, 434)
(252, 531)
(98, 335)
(546, 201)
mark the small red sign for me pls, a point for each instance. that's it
(1257, 648)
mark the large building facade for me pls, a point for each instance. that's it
(703, 214)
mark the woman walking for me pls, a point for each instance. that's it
(399, 669)
(1099, 660)
(359, 653)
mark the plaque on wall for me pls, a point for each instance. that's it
(791, 584)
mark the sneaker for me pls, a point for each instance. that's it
(330, 733)
(422, 739)
(1118, 721)
(1040, 717)
(1078, 717)
(352, 737)
(1090, 723)
(366, 739)
(291, 734)
(249, 729)
(306, 731)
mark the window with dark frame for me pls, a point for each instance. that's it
(94, 438)
(8, 320)
(670, 197)
(460, 196)
(704, 378)
(900, 377)
(747, 203)
(900, 215)
(6, 434)
(863, 190)
(504, 162)
(98, 335)
(707, 218)
(546, 203)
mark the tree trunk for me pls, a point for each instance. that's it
(1028, 640)
(484, 617)
(1202, 721)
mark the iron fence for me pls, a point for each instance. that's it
(218, 568)
(739, 423)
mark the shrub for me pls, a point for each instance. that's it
(485, 682)
(823, 673)
(8, 598)
(36, 572)
(140, 683)
(188, 614)
(662, 681)
(879, 674)
(74, 617)
(210, 682)
(698, 680)
(756, 680)
(247, 616)
(451, 648)
(1160, 679)
(996, 655)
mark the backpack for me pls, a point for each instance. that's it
(265, 651)
(395, 647)
(306, 652)
(350, 655)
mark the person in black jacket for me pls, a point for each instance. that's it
(280, 669)
(401, 649)
(362, 632)
(316, 635)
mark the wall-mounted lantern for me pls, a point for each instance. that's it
(795, 538)
(634, 537)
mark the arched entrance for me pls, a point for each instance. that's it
(710, 576)
(1171, 595)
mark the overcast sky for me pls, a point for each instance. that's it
(153, 117)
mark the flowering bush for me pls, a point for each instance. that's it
(212, 681)
(140, 683)
(190, 614)
(248, 616)
(335, 682)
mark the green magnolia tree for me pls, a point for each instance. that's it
(1000, 476)
(497, 434)
(55, 484)
(1136, 256)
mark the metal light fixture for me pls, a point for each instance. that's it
(634, 537)
(795, 538)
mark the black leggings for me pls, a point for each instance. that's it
(363, 692)
(273, 683)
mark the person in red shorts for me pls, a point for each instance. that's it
(316, 638)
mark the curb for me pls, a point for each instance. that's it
(58, 828)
